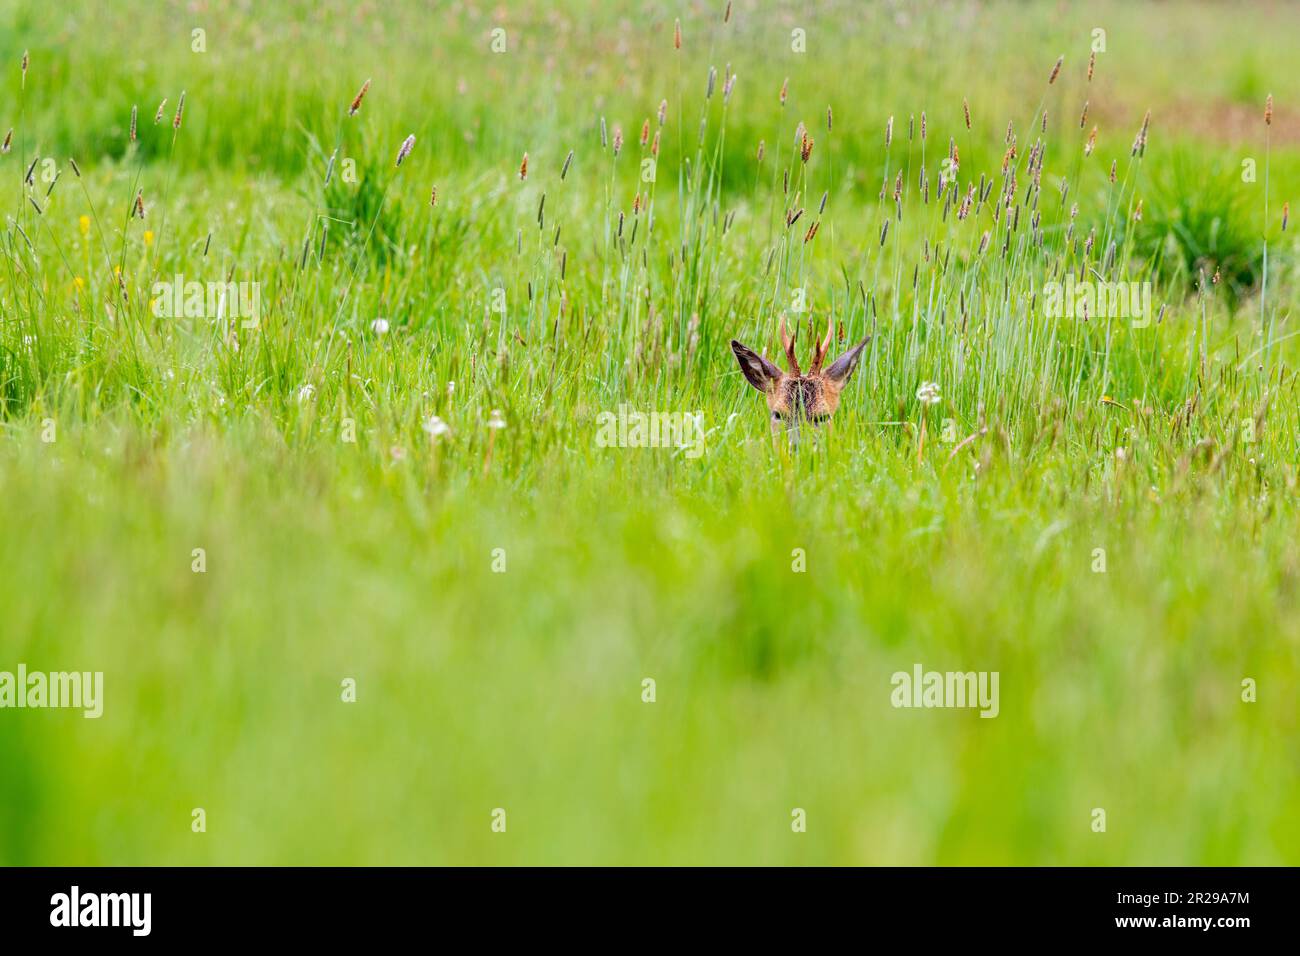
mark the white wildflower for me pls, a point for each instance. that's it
(436, 427)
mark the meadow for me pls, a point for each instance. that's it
(364, 586)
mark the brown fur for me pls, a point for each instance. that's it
(794, 397)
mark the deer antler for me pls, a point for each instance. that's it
(787, 342)
(820, 350)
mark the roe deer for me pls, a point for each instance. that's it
(794, 397)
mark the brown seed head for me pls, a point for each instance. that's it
(1056, 70)
(356, 100)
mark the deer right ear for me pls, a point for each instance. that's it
(842, 368)
(758, 371)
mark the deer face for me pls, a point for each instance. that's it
(795, 397)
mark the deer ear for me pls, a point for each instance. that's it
(842, 368)
(759, 372)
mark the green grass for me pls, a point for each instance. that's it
(376, 559)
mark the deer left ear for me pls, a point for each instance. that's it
(758, 371)
(842, 368)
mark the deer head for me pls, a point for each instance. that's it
(796, 396)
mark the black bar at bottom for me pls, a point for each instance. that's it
(372, 905)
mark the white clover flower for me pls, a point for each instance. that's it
(436, 427)
(928, 393)
(496, 420)
(307, 393)
(379, 326)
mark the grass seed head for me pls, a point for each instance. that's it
(356, 100)
(408, 144)
(1056, 70)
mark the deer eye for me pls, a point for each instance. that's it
(776, 416)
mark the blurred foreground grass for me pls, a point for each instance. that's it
(522, 689)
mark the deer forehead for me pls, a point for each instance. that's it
(803, 390)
